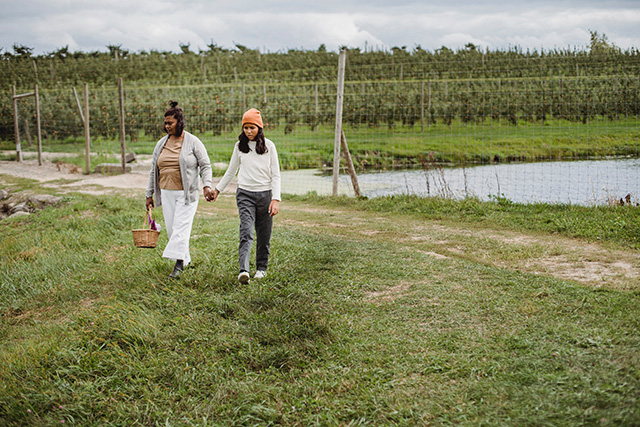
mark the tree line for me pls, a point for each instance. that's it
(221, 65)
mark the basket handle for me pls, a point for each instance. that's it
(147, 220)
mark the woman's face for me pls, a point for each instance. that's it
(250, 130)
(170, 125)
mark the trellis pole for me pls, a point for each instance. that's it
(316, 119)
(87, 132)
(84, 116)
(38, 128)
(338, 128)
(16, 124)
(16, 121)
(350, 168)
(122, 133)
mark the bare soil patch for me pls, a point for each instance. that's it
(564, 258)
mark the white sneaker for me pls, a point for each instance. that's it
(260, 274)
(243, 277)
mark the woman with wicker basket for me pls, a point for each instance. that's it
(179, 161)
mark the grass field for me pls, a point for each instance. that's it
(390, 311)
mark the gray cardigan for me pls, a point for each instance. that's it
(194, 162)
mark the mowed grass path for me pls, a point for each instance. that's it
(365, 318)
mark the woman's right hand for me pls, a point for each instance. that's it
(149, 203)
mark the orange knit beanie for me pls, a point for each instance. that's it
(252, 116)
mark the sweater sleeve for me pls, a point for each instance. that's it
(232, 170)
(153, 172)
(275, 173)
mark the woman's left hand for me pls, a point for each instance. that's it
(208, 194)
(274, 207)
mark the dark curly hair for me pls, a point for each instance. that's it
(261, 145)
(176, 113)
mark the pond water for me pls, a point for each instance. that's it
(587, 182)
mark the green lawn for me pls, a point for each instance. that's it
(358, 322)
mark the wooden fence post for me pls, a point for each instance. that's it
(244, 98)
(350, 168)
(316, 119)
(422, 106)
(16, 124)
(338, 128)
(87, 133)
(38, 128)
(429, 104)
(122, 134)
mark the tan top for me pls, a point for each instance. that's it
(169, 165)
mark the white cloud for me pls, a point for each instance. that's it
(90, 25)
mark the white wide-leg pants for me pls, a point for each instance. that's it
(178, 220)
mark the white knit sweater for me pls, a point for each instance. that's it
(257, 172)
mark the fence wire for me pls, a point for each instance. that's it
(540, 130)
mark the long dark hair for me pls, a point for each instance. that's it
(261, 145)
(177, 114)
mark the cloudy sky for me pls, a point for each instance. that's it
(279, 25)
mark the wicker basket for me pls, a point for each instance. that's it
(145, 238)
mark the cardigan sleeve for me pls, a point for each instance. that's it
(204, 163)
(153, 183)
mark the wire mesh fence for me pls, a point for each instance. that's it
(447, 128)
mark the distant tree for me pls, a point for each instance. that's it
(61, 53)
(322, 48)
(22, 51)
(600, 44)
(471, 47)
(114, 50)
(184, 47)
(214, 48)
(245, 49)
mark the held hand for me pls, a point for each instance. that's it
(274, 207)
(214, 194)
(208, 194)
(149, 203)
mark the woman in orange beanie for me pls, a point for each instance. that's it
(255, 160)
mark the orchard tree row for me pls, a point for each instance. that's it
(218, 65)
(438, 102)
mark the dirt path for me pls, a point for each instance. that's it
(564, 258)
(68, 178)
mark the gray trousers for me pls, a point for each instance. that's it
(253, 209)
